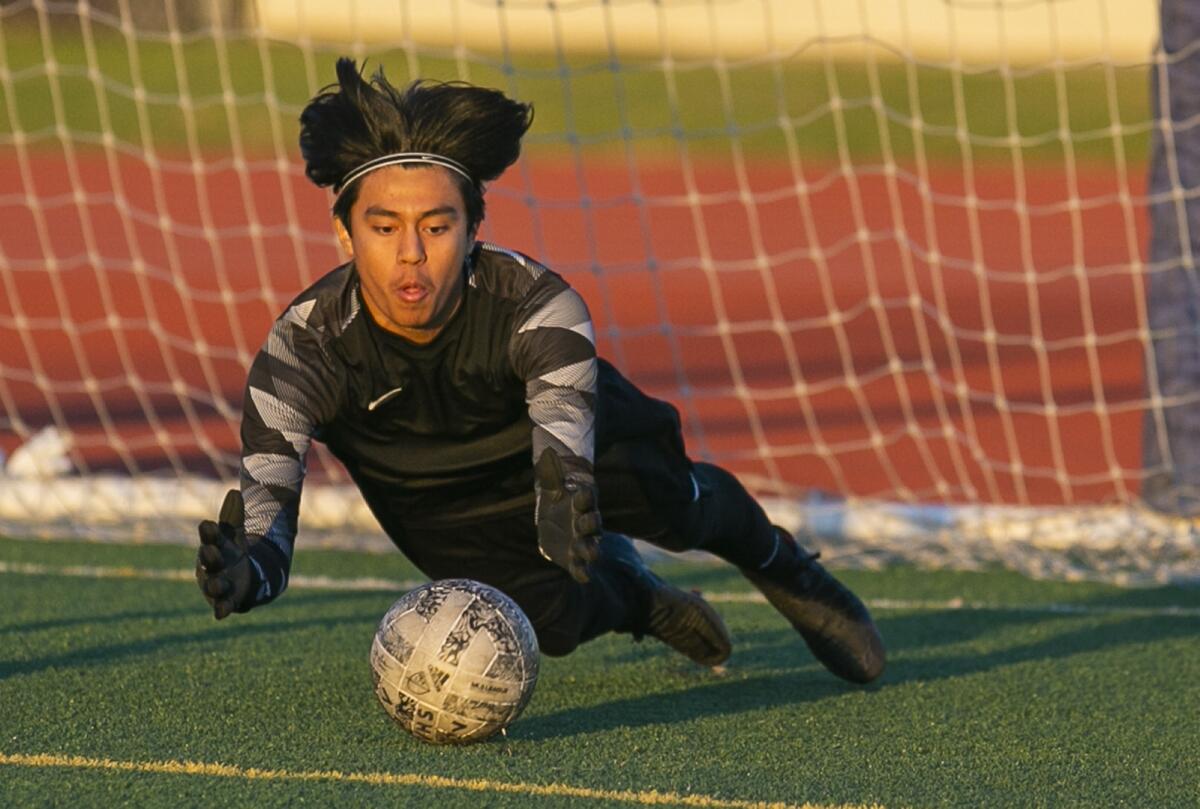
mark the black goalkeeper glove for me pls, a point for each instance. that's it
(223, 568)
(568, 518)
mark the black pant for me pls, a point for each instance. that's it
(648, 489)
(654, 501)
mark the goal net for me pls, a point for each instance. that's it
(920, 273)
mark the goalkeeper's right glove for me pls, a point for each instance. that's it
(223, 568)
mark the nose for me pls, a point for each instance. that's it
(411, 250)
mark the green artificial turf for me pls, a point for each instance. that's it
(1007, 700)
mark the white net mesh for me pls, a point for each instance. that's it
(891, 253)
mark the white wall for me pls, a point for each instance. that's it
(972, 31)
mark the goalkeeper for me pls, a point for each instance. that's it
(458, 383)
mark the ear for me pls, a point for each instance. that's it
(343, 236)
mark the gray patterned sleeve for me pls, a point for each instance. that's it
(553, 349)
(289, 395)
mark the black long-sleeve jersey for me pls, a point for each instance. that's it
(438, 432)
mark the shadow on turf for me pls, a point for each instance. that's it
(84, 620)
(754, 680)
(1061, 637)
(733, 696)
(263, 622)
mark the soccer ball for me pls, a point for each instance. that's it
(454, 661)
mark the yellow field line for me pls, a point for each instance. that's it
(375, 584)
(644, 797)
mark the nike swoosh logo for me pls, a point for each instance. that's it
(384, 398)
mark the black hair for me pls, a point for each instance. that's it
(355, 120)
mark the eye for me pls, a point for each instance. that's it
(437, 230)
(384, 230)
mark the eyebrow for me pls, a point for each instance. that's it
(376, 210)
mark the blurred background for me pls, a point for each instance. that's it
(919, 273)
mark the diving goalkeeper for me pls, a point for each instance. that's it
(458, 383)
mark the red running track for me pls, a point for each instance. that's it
(117, 279)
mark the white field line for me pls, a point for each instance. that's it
(367, 583)
(649, 797)
(375, 584)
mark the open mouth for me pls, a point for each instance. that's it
(411, 293)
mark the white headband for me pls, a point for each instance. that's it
(400, 158)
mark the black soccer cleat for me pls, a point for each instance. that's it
(687, 623)
(832, 620)
(684, 621)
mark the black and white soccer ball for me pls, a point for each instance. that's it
(454, 661)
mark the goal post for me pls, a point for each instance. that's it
(1171, 448)
(920, 273)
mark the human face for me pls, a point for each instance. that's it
(409, 239)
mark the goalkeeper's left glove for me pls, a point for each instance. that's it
(223, 568)
(567, 515)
